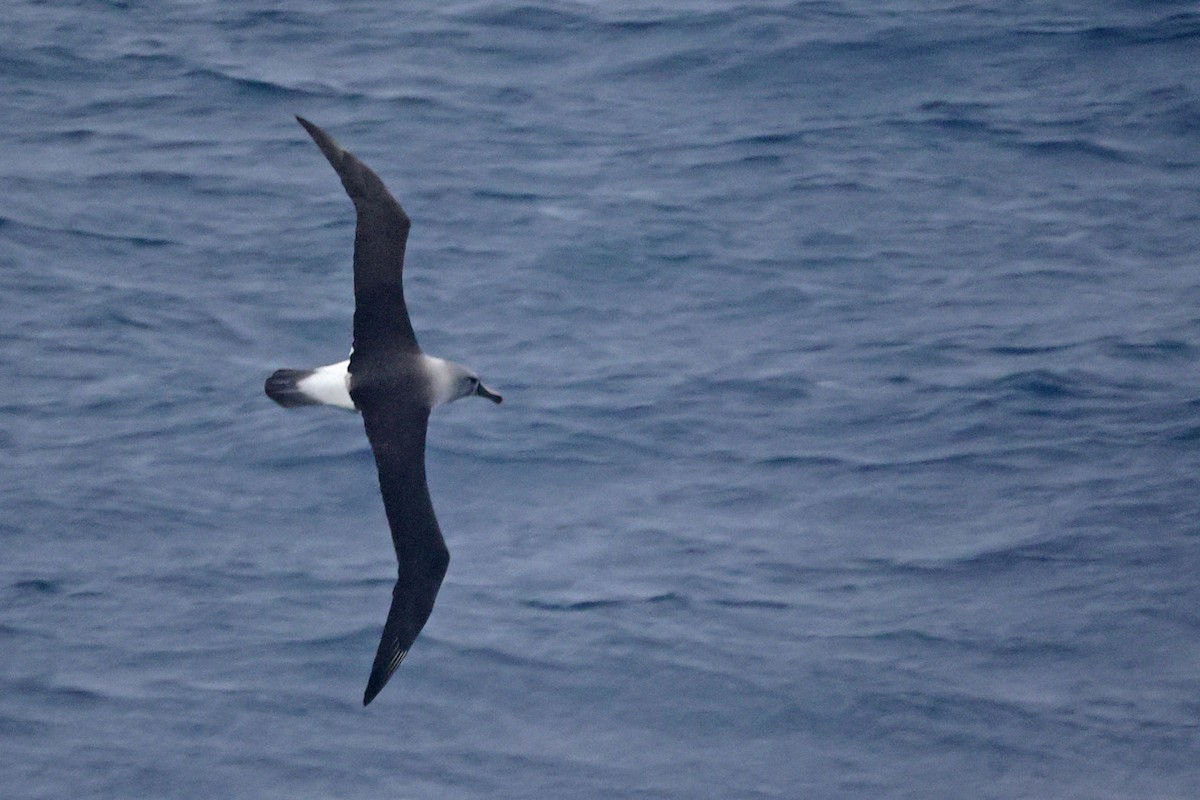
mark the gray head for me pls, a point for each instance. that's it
(452, 381)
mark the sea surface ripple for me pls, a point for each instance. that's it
(851, 444)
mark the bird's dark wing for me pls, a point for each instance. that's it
(381, 323)
(397, 435)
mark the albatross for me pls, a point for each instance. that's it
(395, 386)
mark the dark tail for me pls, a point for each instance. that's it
(281, 387)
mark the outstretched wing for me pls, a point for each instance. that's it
(397, 435)
(381, 323)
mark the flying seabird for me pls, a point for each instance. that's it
(395, 386)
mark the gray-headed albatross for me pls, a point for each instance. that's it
(395, 386)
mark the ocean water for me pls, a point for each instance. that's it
(851, 443)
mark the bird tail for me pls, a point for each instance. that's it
(282, 388)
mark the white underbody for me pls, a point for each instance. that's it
(330, 385)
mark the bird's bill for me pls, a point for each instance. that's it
(483, 391)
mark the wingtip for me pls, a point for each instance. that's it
(315, 132)
(375, 685)
(381, 673)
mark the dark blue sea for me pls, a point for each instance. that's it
(851, 441)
